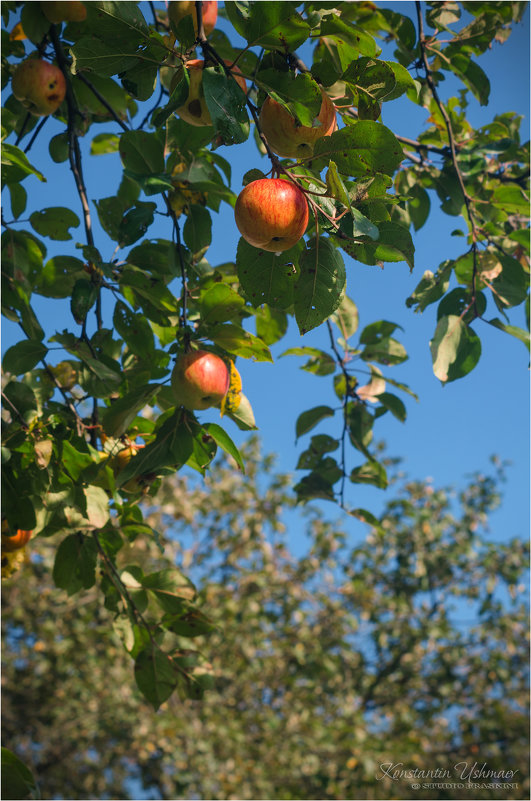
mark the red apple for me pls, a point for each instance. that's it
(64, 11)
(271, 214)
(195, 110)
(178, 9)
(288, 139)
(39, 85)
(17, 541)
(200, 379)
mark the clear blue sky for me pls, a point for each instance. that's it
(453, 430)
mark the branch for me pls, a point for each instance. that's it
(453, 150)
(177, 232)
(102, 100)
(37, 131)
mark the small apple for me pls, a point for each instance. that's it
(290, 140)
(195, 110)
(271, 214)
(39, 85)
(200, 379)
(69, 11)
(17, 541)
(178, 9)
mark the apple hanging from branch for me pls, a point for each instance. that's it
(39, 85)
(179, 9)
(200, 379)
(286, 138)
(271, 214)
(57, 11)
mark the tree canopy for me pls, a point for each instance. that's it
(92, 441)
(401, 649)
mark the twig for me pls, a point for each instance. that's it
(177, 233)
(37, 131)
(453, 151)
(22, 131)
(102, 100)
(151, 110)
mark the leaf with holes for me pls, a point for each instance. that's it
(320, 285)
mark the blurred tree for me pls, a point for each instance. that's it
(410, 648)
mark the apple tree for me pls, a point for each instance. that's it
(88, 438)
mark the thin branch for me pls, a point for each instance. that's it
(453, 150)
(177, 233)
(22, 131)
(102, 100)
(151, 110)
(37, 131)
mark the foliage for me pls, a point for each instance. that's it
(86, 439)
(409, 647)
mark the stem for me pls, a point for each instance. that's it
(37, 131)
(453, 150)
(177, 232)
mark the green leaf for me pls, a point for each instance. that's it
(84, 297)
(135, 222)
(266, 277)
(275, 26)
(224, 441)
(393, 404)
(23, 356)
(346, 317)
(271, 324)
(243, 416)
(320, 363)
(470, 73)
(336, 187)
(455, 349)
(170, 587)
(511, 199)
(513, 330)
(431, 287)
(17, 779)
(353, 35)
(310, 418)
(15, 165)
(171, 447)
(156, 675)
(191, 622)
(394, 244)
(320, 284)
(58, 147)
(219, 304)
(54, 222)
(117, 418)
(178, 97)
(75, 563)
(97, 506)
(135, 330)
(360, 423)
(370, 473)
(19, 198)
(314, 485)
(362, 149)
(34, 24)
(300, 96)
(92, 55)
(418, 205)
(142, 153)
(226, 103)
(59, 276)
(239, 342)
(370, 79)
(319, 445)
(104, 143)
(197, 230)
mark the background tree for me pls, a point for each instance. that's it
(88, 438)
(402, 649)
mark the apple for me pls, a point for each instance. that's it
(39, 85)
(288, 139)
(70, 11)
(17, 541)
(195, 110)
(271, 214)
(200, 379)
(182, 8)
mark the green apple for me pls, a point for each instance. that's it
(200, 379)
(39, 85)
(271, 214)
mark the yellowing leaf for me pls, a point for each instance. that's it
(233, 398)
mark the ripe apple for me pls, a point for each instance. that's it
(178, 9)
(18, 540)
(39, 85)
(288, 139)
(195, 110)
(200, 379)
(271, 214)
(69, 11)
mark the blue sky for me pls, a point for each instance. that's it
(453, 430)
